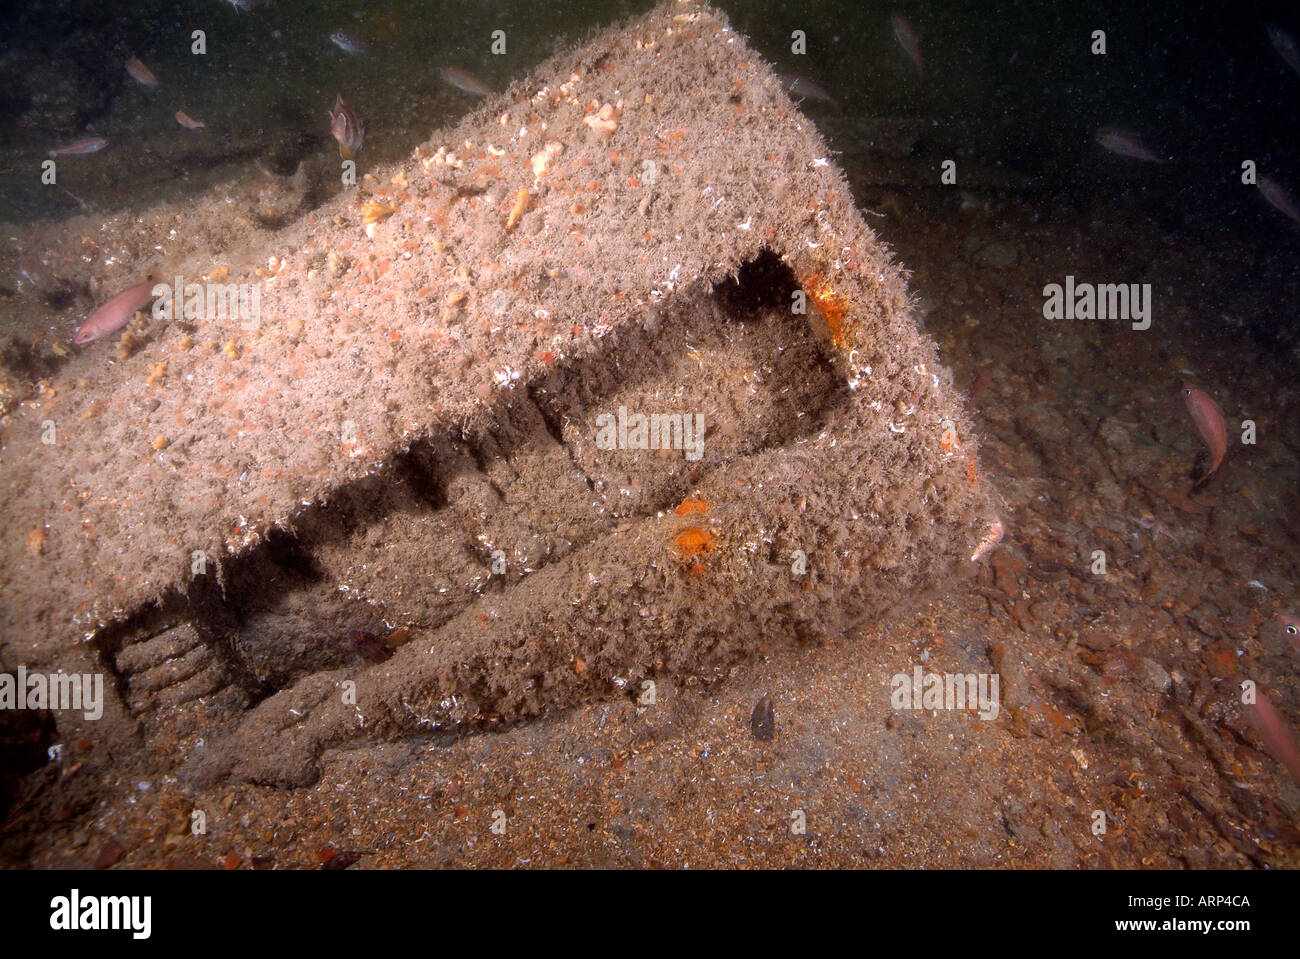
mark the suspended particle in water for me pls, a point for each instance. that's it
(763, 720)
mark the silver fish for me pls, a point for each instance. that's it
(1125, 144)
(350, 43)
(80, 147)
(31, 270)
(1285, 46)
(802, 88)
(1276, 194)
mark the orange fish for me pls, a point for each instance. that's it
(188, 122)
(347, 129)
(140, 73)
(1209, 420)
(114, 313)
(1276, 734)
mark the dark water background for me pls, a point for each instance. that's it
(1010, 87)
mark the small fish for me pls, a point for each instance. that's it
(243, 6)
(350, 43)
(369, 646)
(1125, 144)
(762, 721)
(464, 81)
(33, 275)
(347, 129)
(1290, 624)
(30, 269)
(991, 539)
(1275, 733)
(140, 73)
(1285, 46)
(801, 88)
(905, 34)
(188, 122)
(1209, 421)
(1278, 197)
(80, 147)
(115, 313)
